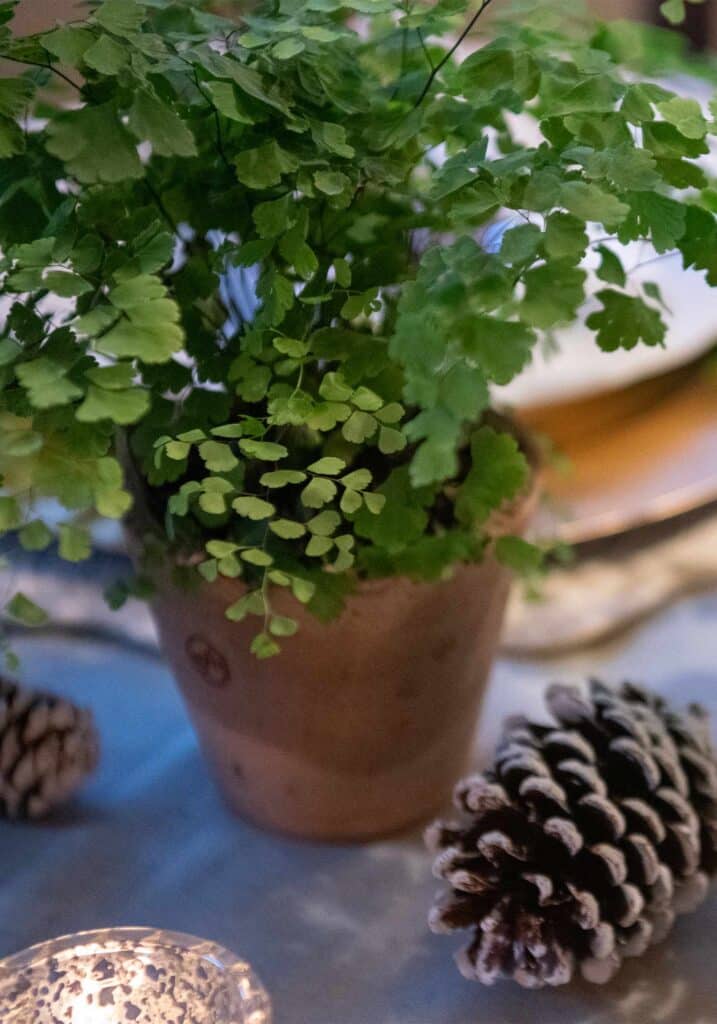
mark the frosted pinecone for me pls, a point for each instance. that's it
(47, 749)
(584, 841)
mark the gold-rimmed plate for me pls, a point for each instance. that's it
(630, 458)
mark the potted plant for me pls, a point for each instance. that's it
(250, 302)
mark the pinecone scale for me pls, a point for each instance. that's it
(47, 749)
(584, 841)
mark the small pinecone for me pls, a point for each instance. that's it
(47, 748)
(584, 841)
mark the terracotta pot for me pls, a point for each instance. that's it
(360, 727)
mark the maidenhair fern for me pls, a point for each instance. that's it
(341, 160)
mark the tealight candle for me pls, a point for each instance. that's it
(130, 976)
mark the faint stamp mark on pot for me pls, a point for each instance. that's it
(210, 663)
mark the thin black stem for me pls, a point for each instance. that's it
(404, 50)
(217, 123)
(109, 327)
(160, 206)
(220, 141)
(449, 53)
(422, 41)
(196, 245)
(47, 67)
(207, 99)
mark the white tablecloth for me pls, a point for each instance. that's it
(337, 933)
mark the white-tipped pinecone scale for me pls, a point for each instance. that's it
(583, 842)
(47, 749)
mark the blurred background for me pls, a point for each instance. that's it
(33, 15)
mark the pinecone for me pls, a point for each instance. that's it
(47, 748)
(583, 842)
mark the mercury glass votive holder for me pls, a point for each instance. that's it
(130, 976)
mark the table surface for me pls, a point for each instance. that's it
(337, 933)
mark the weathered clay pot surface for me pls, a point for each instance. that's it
(360, 726)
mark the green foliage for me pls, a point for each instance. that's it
(498, 472)
(624, 321)
(674, 11)
(24, 610)
(94, 145)
(344, 429)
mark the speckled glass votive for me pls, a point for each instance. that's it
(130, 976)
